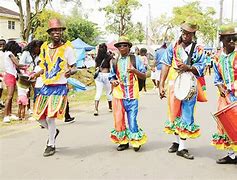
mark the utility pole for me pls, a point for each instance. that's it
(232, 12)
(220, 23)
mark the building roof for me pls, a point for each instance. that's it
(8, 11)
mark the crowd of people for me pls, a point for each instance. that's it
(123, 74)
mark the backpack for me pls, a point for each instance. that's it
(141, 82)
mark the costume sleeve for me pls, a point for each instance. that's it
(139, 65)
(217, 75)
(200, 60)
(168, 56)
(112, 74)
(70, 56)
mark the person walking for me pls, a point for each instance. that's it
(158, 57)
(181, 112)
(124, 79)
(57, 62)
(225, 68)
(102, 64)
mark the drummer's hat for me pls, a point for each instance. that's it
(190, 27)
(55, 24)
(228, 29)
(123, 40)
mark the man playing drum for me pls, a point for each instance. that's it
(180, 112)
(225, 69)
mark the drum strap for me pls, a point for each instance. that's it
(189, 61)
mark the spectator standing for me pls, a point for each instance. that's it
(30, 57)
(2, 45)
(102, 62)
(158, 57)
(11, 64)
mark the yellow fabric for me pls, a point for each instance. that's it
(45, 58)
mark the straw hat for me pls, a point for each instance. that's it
(55, 23)
(228, 29)
(123, 40)
(190, 27)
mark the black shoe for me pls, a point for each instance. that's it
(184, 153)
(227, 160)
(122, 147)
(70, 120)
(57, 132)
(49, 151)
(137, 148)
(2, 105)
(96, 113)
(173, 148)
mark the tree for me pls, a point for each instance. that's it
(82, 28)
(194, 13)
(119, 14)
(76, 26)
(26, 23)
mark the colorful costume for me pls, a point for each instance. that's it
(52, 99)
(181, 120)
(225, 68)
(125, 99)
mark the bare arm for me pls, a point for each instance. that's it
(16, 61)
(163, 76)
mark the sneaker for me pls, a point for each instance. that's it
(6, 119)
(96, 113)
(70, 120)
(110, 110)
(174, 148)
(122, 147)
(184, 153)
(227, 160)
(49, 151)
(14, 117)
(30, 111)
(137, 148)
(2, 105)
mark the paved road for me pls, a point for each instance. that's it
(84, 150)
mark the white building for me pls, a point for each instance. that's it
(9, 24)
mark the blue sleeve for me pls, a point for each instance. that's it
(168, 56)
(217, 76)
(112, 75)
(199, 63)
(139, 65)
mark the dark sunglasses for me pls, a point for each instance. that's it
(231, 38)
(123, 45)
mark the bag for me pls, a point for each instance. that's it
(141, 82)
(96, 73)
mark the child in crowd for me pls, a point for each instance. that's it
(22, 99)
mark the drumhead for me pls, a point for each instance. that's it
(184, 83)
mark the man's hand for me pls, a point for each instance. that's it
(184, 67)
(223, 92)
(115, 83)
(131, 69)
(162, 92)
(68, 74)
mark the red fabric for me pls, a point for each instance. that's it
(10, 80)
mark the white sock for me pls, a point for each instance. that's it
(52, 131)
(231, 154)
(176, 139)
(181, 144)
(43, 123)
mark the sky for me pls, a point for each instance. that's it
(157, 7)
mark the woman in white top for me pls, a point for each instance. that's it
(11, 64)
(30, 58)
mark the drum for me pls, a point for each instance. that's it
(227, 119)
(185, 86)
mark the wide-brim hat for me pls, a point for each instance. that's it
(228, 29)
(189, 27)
(123, 40)
(55, 23)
